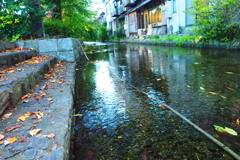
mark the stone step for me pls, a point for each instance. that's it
(46, 132)
(12, 58)
(19, 79)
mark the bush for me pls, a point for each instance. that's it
(217, 19)
(103, 34)
(56, 27)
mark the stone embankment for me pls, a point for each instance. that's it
(36, 92)
(189, 43)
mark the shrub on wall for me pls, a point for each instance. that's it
(217, 19)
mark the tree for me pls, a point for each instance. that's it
(217, 19)
(71, 19)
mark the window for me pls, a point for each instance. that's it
(174, 6)
(155, 15)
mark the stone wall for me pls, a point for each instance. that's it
(65, 49)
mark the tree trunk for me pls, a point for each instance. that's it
(57, 11)
(36, 19)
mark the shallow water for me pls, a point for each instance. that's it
(119, 118)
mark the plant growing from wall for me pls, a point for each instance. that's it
(217, 19)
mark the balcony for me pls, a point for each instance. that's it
(130, 3)
(115, 13)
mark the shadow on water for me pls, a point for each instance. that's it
(116, 121)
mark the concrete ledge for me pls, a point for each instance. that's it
(66, 49)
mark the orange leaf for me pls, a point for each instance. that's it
(1, 142)
(163, 107)
(9, 129)
(26, 96)
(25, 101)
(237, 122)
(38, 97)
(37, 121)
(54, 147)
(237, 105)
(61, 90)
(12, 140)
(34, 132)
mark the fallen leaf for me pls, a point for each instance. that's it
(12, 140)
(26, 96)
(75, 115)
(1, 142)
(53, 122)
(237, 122)
(6, 142)
(9, 129)
(213, 93)
(2, 137)
(231, 131)
(237, 105)
(50, 136)
(23, 118)
(219, 129)
(34, 132)
(23, 139)
(54, 147)
(37, 121)
(50, 99)
(25, 101)
(163, 107)
(37, 98)
(7, 115)
(61, 90)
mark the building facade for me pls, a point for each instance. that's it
(147, 17)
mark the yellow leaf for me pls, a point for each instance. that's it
(75, 115)
(12, 140)
(231, 131)
(213, 93)
(229, 72)
(34, 132)
(223, 96)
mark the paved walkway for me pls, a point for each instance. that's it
(39, 126)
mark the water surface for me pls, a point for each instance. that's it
(118, 121)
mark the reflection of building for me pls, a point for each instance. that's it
(146, 17)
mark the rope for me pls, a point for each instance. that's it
(231, 152)
(83, 51)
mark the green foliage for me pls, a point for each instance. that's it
(76, 20)
(56, 27)
(103, 34)
(16, 19)
(217, 19)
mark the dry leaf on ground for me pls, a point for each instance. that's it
(9, 129)
(12, 140)
(2, 136)
(34, 132)
(54, 147)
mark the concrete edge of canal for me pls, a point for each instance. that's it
(234, 45)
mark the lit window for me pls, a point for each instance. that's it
(155, 15)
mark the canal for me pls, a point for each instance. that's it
(121, 95)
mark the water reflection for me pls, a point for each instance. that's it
(200, 84)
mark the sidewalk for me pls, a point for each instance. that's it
(39, 125)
